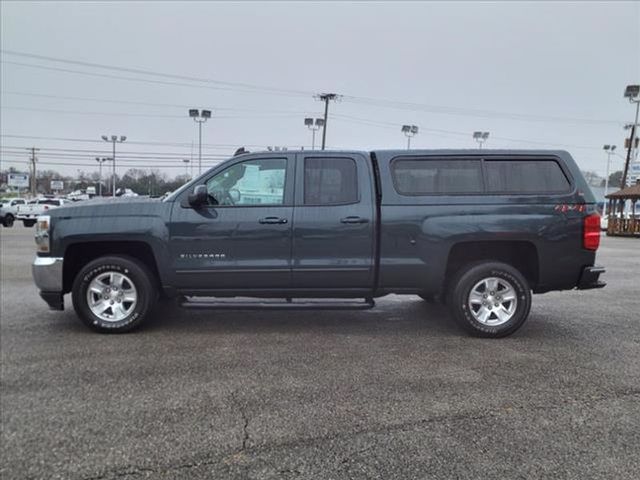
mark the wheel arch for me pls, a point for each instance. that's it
(521, 255)
(77, 255)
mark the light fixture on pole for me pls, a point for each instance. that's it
(100, 162)
(199, 117)
(314, 126)
(632, 92)
(409, 131)
(609, 149)
(114, 139)
(480, 137)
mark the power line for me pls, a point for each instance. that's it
(458, 111)
(130, 142)
(158, 74)
(133, 79)
(144, 115)
(151, 104)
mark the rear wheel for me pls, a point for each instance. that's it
(490, 299)
(8, 220)
(114, 294)
(29, 223)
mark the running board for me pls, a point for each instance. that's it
(289, 304)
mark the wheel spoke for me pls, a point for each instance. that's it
(508, 294)
(95, 289)
(492, 284)
(475, 297)
(502, 313)
(483, 314)
(118, 311)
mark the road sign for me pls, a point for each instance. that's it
(18, 180)
(57, 184)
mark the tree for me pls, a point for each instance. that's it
(615, 179)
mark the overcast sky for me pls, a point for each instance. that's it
(547, 75)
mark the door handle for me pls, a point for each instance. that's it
(354, 219)
(272, 220)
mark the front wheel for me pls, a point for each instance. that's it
(490, 299)
(114, 294)
(8, 220)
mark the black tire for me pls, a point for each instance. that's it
(29, 223)
(468, 317)
(8, 220)
(136, 273)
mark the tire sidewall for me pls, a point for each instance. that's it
(135, 272)
(462, 289)
(29, 223)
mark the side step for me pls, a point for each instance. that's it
(202, 303)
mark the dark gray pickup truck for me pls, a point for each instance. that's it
(479, 230)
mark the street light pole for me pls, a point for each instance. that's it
(200, 117)
(632, 92)
(609, 149)
(114, 139)
(314, 127)
(480, 137)
(186, 167)
(100, 162)
(409, 131)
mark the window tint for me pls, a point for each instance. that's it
(254, 182)
(330, 181)
(525, 176)
(426, 177)
(49, 202)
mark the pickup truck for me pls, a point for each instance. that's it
(28, 213)
(9, 210)
(479, 230)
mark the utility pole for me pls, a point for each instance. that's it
(33, 161)
(326, 97)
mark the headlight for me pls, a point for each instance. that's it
(42, 233)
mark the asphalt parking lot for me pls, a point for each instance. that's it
(395, 392)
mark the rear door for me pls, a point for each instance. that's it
(333, 224)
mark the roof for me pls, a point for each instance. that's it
(632, 192)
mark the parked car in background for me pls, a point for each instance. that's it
(9, 208)
(28, 214)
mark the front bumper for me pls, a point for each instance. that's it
(47, 274)
(590, 278)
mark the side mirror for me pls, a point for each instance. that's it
(199, 196)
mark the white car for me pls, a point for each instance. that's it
(9, 208)
(28, 213)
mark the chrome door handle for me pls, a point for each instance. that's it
(354, 219)
(272, 220)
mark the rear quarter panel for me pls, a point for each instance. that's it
(418, 232)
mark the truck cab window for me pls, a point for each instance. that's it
(330, 181)
(254, 182)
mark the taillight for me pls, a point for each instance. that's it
(591, 232)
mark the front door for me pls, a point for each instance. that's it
(333, 225)
(242, 238)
